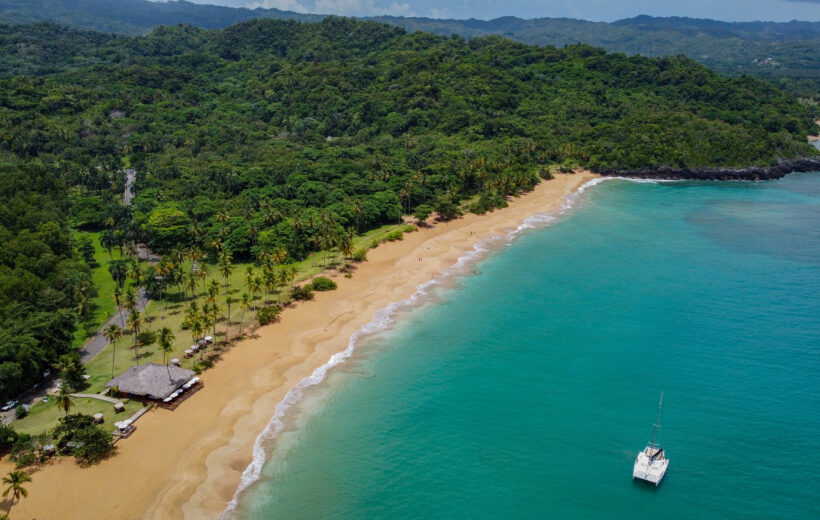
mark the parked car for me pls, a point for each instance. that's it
(45, 399)
(8, 406)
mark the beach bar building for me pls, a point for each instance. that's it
(151, 381)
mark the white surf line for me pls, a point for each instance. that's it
(382, 320)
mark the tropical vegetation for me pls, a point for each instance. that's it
(781, 52)
(269, 150)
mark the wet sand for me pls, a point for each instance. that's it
(187, 463)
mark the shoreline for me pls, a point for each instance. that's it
(188, 463)
(751, 173)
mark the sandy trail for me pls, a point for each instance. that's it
(187, 463)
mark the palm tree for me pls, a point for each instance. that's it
(202, 274)
(82, 295)
(118, 271)
(290, 274)
(63, 399)
(244, 304)
(113, 333)
(195, 327)
(163, 270)
(345, 241)
(192, 281)
(268, 281)
(214, 315)
(213, 292)
(134, 322)
(205, 322)
(225, 269)
(108, 241)
(253, 231)
(249, 275)
(255, 286)
(139, 279)
(223, 217)
(14, 482)
(297, 223)
(228, 301)
(192, 312)
(166, 343)
(117, 300)
(130, 300)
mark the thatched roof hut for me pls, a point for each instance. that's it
(150, 380)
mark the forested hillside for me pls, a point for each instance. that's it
(785, 53)
(277, 135)
(42, 282)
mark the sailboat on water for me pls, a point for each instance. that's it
(651, 463)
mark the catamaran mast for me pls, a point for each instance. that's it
(657, 421)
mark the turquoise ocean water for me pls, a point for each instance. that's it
(525, 388)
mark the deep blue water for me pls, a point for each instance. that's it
(528, 388)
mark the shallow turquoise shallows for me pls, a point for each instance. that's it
(527, 389)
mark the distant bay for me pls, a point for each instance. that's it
(527, 387)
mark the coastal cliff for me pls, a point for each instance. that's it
(752, 173)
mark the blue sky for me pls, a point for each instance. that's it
(596, 10)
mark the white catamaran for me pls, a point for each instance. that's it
(651, 463)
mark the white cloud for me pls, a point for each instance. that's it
(284, 5)
(361, 8)
(441, 14)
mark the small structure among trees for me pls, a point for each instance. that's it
(150, 381)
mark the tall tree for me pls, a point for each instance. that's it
(166, 343)
(244, 304)
(228, 301)
(134, 323)
(118, 302)
(225, 269)
(14, 485)
(113, 333)
(63, 399)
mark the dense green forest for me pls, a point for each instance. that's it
(289, 137)
(43, 285)
(784, 53)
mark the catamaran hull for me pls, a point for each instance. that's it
(649, 470)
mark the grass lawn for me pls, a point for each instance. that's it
(104, 306)
(171, 314)
(44, 416)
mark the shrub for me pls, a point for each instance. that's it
(395, 235)
(24, 458)
(20, 412)
(68, 428)
(302, 293)
(267, 315)
(360, 255)
(92, 444)
(423, 212)
(22, 450)
(323, 283)
(8, 436)
(447, 207)
(147, 337)
(546, 174)
(488, 201)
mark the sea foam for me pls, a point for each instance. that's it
(383, 319)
